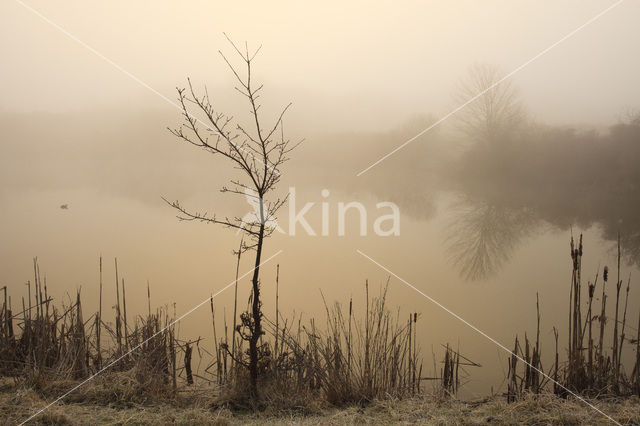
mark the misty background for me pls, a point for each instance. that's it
(485, 221)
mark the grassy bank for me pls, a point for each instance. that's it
(18, 404)
(351, 369)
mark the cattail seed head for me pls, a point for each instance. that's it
(580, 246)
(605, 274)
(572, 247)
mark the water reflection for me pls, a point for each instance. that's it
(481, 236)
(561, 177)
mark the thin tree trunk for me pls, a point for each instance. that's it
(257, 320)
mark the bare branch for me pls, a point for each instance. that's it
(203, 217)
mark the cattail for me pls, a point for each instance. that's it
(572, 248)
(605, 274)
(592, 287)
(580, 246)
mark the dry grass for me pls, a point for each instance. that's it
(348, 360)
(369, 365)
(594, 366)
(49, 347)
(17, 404)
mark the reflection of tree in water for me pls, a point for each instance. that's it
(629, 238)
(631, 247)
(571, 177)
(482, 236)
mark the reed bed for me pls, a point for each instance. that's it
(346, 360)
(596, 337)
(339, 360)
(44, 344)
(49, 346)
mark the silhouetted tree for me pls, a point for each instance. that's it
(258, 152)
(492, 116)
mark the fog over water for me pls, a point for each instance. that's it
(486, 213)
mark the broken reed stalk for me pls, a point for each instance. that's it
(9, 323)
(415, 357)
(148, 299)
(512, 387)
(637, 367)
(616, 361)
(46, 298)
(172, 351)
(589, 323)
(556, 378)
(603, 318)
(6, 318)
(29, 289)
(367, 362)
(124, 306)
(39, 281)
(35, 285)
(536, 364)
(575, 331)
(275, 351)
(118, 320)
(450, 379)
(235, 305)
(624, 321)
(349, 339)
(410, 357)
(187, 363)
(82, 340)
(99, 323)
(226, 341)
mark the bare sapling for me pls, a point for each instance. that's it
(257, 151)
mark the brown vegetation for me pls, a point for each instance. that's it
(305, 367)
(592, 367)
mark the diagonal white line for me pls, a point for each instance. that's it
(476, 329)
(541, 53)
(124, 71)
(112, 363)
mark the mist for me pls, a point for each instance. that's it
(482, 214)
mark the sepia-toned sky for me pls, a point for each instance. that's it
(363, 78)
(344, 64)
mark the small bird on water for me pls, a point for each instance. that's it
(65, 207)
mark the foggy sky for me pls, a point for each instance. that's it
(350, 66)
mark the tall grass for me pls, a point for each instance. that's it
(593, 365)
(340, 359)
(348, 360)
(44, 343)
